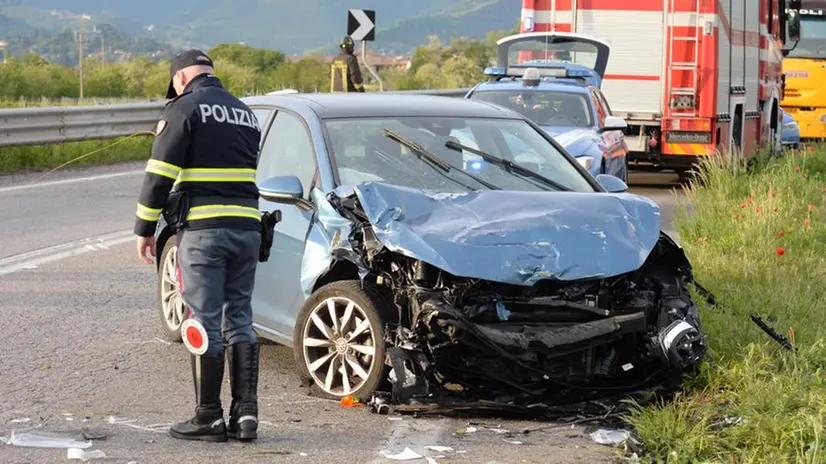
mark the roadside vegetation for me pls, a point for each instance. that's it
(757, 241)
(94, 152)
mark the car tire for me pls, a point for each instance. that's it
(318, 355)
(171, 309)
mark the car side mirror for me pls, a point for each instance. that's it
(611, 183)
(613, 123)
(793, 20)
(282, 189)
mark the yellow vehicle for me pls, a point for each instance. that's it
(805, 72)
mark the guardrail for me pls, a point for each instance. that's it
(44, 125)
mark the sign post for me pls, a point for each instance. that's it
(361, 25)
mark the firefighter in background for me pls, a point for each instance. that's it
(346, 75)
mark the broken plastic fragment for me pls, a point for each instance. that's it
(431, 461)
(512, 442)
(20, 421)
(76, 453)
(440, 449)
(45, 440)
(351, 401)
(610, 437)
(406, 455)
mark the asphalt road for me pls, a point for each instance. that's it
(81, 351)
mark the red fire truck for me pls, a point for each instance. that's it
(689, 76)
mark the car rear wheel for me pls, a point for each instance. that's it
(339, 340)
(171, 307)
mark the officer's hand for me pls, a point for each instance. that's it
(143, 244)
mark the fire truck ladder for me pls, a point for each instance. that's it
(684, 99)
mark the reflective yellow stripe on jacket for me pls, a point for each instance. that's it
(216, 211)
(148, 214)
(162, 169)
(216, 175)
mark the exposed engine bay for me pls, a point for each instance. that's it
(471, 343)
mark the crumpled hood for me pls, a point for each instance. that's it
(515, 237)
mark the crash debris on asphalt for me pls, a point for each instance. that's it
(516, 302)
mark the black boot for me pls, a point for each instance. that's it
(243, 372)
(208, 423)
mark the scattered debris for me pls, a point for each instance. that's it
(93, 435)
(46, 440)
(20, 421)
(303, 454)
(431, 460)
(77, 453)
(406, 455)
(512, 442)
(440, 449)
(350, 401)
(610, 437)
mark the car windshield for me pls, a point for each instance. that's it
(546, 108)
(812, 38)
(363, 152)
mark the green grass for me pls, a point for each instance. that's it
(31, 103)
(45, 157)
(739, 221)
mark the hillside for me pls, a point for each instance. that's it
(286, 25)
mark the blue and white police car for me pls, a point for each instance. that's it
(554, 80)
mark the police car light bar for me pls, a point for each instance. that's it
(519, 71)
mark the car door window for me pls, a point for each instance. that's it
(600, 110)
(261, 114)
(603, 102)
(287, 150)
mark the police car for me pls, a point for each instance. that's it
(555, 82)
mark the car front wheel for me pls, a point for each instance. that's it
(170, 305)
(339, 339)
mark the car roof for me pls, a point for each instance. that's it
(379, 104)
(555, 85)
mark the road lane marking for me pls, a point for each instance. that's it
(15, 188)
(32, 259)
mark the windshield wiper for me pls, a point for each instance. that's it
(507, 165)
(433, 159)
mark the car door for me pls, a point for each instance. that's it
(287, 149)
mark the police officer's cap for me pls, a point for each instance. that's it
(186, 59)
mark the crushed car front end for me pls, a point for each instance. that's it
(522, 298)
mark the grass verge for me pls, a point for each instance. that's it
(44, 157)
(757, 241)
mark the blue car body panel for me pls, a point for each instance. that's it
(607, 150)
(790, 132)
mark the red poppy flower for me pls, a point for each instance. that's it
(774, 208)
(797, 168)
(780, 251)
(781, 233)
(742, 205)
(756, 209)
(811, 207)
(805, 223)
(751, 200)
(771, 193)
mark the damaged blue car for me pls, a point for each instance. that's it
(398, 269)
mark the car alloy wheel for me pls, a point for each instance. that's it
(170, 304)
(339, 346)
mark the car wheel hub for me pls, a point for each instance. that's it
(171, 302)
(339, 346)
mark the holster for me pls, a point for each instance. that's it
(176, 209)
(268, 222)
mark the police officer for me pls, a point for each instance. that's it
(346, 71)
(206, 148)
